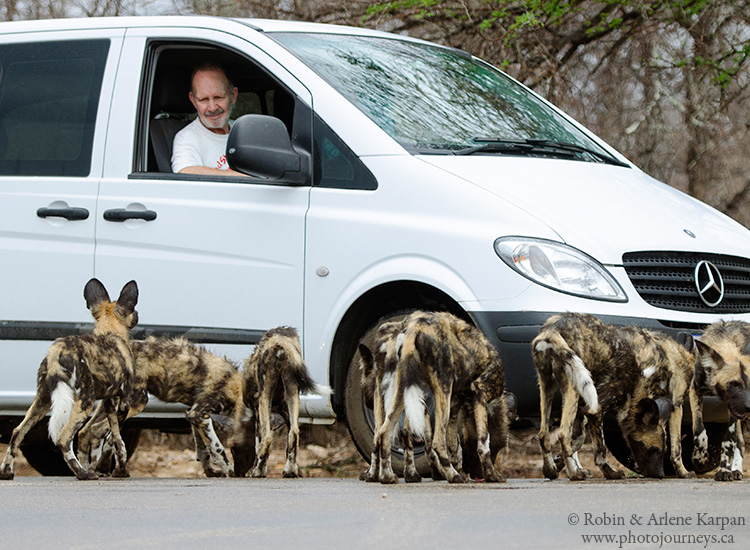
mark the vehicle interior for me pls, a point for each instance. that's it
(170, 108)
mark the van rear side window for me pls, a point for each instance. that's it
(49, 95)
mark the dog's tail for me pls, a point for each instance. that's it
(575, 369)
(62, 399)
(414, 345)
(285, 355)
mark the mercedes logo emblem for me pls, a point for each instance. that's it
(709, 283)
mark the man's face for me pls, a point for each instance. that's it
(213, 99)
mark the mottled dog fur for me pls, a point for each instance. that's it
(77, 371)
(178, 371)
(722, 368)
(377, 375)
(275, 375)
(642, 376)
(444, 355)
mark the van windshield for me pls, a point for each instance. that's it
(439, 100)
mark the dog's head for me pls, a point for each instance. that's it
(112, 317)
(645, 431)
(724, 368)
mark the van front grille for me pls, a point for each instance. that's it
(667, 280)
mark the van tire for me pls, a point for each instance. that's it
(45, 457)
(360, 418)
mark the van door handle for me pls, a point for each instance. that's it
(121, 215)
(72, 213)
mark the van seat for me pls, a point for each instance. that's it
(171, 111)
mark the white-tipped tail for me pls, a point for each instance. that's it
(324, 391)
(414, 410)
(62, 405)
(580, 376)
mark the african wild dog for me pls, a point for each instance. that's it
(377, 376)
(723, 369)
(77, 371)
(442, 354)
(642, 376)
(275, 375)
(178, 371)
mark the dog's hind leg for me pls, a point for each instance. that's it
(577, 441)
(567, 420)
(383, 439)
(291, 396)
(546, 395)
(264, 435)
(121, 454)
(411, 475)
(483, 442)
(36, 412)
(441, 399)
(64, 439)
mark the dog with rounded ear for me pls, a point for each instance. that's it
(77, 371)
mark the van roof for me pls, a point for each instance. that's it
(176, 21)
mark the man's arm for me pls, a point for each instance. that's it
(204, 171)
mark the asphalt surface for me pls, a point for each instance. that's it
(143, 513)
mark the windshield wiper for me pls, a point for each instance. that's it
(543, 146)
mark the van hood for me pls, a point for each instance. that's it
(601, 209)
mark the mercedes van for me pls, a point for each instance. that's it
(387, 174)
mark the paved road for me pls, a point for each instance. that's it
(142, 513)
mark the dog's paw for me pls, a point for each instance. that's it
(7, 474)
(412, 477)
(736, 475)
(87, 475)
(724, 475)
(120, 472)
(494, 477)
(459, 477)
(389, 478)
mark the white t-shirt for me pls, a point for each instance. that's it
(196, 145)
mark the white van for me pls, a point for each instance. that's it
(390, 174)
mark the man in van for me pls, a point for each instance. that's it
(200, 147)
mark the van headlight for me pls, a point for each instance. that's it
(559, 267)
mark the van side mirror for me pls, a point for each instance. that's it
(259, 145)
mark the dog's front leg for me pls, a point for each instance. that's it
(700, 437)
(675, 443)
(730, 467)
(600, 449)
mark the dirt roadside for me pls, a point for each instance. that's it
(325, 451)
